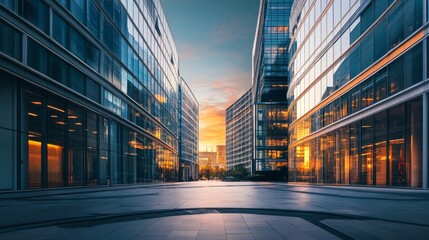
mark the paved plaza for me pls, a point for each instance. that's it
(216, 210)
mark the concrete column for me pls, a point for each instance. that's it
(425, 139)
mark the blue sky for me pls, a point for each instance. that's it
(214, 39)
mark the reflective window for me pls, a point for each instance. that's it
(93, 18)
(37, 57)
(59, 29)
(76, 80)
(77, 44)
(58, 69)
(10, 42)
(75, 154)
(77, 8)
(36, 12)
(56, 126)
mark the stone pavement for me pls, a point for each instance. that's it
(202, 226)
(215, 210)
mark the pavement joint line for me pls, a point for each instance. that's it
(311, 216)
(353, 197)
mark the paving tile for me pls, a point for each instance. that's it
(264, 235)
(232, 217)
(219, 234)
(211, 238)
(241, 236)
(237, 229)
(240, 223)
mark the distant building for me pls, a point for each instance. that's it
(221, 156)
(239, 133)
(188, 133)
(206, 159)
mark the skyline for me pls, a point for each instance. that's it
(215, 56)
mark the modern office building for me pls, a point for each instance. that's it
(270, 85)
(239, 133)
(358, 97)
(188, 133)
(89, 93)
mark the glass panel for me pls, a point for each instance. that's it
(77, 80)
(396, 25)
(77, 8)
(92, 148)
(56, 139)
(77, 44)
(367, 152)
(93, 18)
(104, 148)
(354, 153)
(36, 12)
(59, 29)
(11, 4)
(37, 57)
(58, 69)
(380, 39)
(33, 114)
(380, 131)
(413, 66)
(93, 90)
(10, 42)
(413, 143)
(367, 93)
(380, 85)
(396, 75)
(92, 56)
(76, 144)
(398, 175)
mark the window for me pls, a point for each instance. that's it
(59, 29)
(93, 90)
(10, 42)
(367, 93)
(396, 75)
(107, 34)
(36, 12)
(380, 39)
(93, 18)
(381, 85)
(77, 8)
(92, 56)
(11, 4)
(77, 44)
(58, 69)
(37, 57)
(76, 80)
(396, 26)
(106, 66)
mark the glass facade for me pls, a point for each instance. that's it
(188, 134)
(270, 84)
(239, 129)
(355, 99)
(95, 93)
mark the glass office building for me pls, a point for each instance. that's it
(239, 129)
(188, 133)
(89, 93)
(358, 104)
(270, 84)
